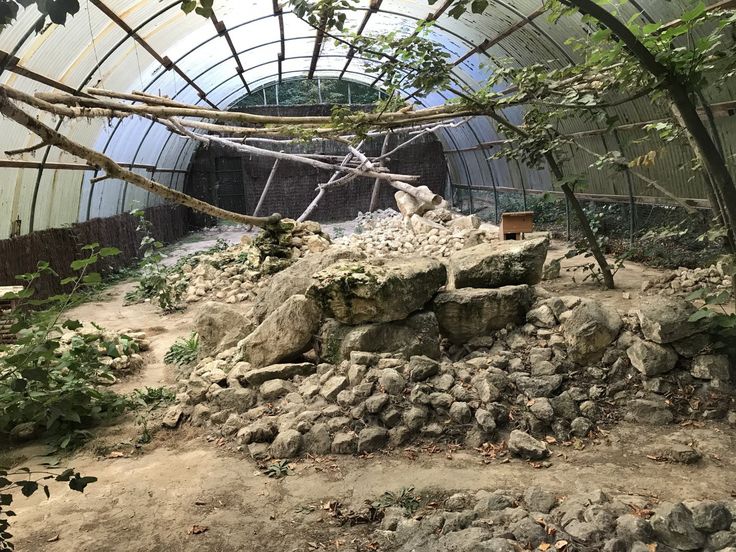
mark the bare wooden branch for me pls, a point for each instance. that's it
(112, 169)
(29, 149)
(377, 184)
(271, 176)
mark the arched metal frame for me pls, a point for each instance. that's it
(485, 25)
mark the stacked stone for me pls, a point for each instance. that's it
(537, 519)
(717, 278)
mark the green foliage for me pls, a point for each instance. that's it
(720, 322)
(53, 387)
(278, 470)
(405, 499)
(29, 482)
(155, 280)
(183, 351)
(326, 14)
(308, 92)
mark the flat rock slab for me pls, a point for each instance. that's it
(504, 263)
(467, 313)
(279, 371)
(417, 335)
(284, 334)
(664, 320)
(382, 291)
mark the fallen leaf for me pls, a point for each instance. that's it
(561, 544)
(116, 454)
(198, 529)
(545, 546)
(53, 539)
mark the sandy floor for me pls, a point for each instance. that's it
(149, 499)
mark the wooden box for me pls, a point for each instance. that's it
(515, 225)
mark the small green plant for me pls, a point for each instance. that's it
(405, 499)
(713, 312)
(278, 469)
(145, 401)
(183, 351)
(155, 281)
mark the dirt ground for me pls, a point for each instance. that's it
(150, 499)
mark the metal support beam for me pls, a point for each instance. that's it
(12, 64)
(163, 60)
(221, 29)
(278, 12)
(24, 164)
(317, 45)
(374, 7)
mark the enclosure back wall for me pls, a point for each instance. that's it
(235, 181)
(152, 45)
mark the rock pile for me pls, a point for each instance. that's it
(537, 519)
(717, 278)
(234, 274)
(118, 350)
(439, 233)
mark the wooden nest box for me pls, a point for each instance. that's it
(7, 306)
(515, 225)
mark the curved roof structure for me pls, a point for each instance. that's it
(151, 45)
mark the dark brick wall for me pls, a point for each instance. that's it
(234, 181)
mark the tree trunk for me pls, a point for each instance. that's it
(700, 139)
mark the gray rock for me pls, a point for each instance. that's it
(615, 545)
(236, 399)
(583, 531)
(259, 451)
(723, 541)
(344, 443)
(485, 420)
(633, 528)
(173, 416)
(460, 412)
(540, 386)
(275, 389)
(441, 401)
(541, 407)
(692, 346)
(710, 367)
(287, 444)
(580, 426)
(376, 403)
(673, 525)
(505, 263)
(279, 371)
(487, 392)
(391, 381)
(542, 317)
(297, 278)
(415, 417)
(590, 328)
(651, 359)
(469, 313)
(220, 326)
(528, 532)
(524, 445)
(383, 291)
(372, 438)
(539, 500)
(200, 414)
(391, 416)
(664, 320)
(284, 334)
(417, 335)
(710, 516)
(333, 386)
(317, 440)
(422, 368)
(363, 358)
(646, 411)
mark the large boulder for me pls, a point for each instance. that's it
(504, 263)
(417, 335)
(284, 334)
(466, 313)
(220, 327)
(590, 328)
(382, 291)
(664, 320)
(297, 278)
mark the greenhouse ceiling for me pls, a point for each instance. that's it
(152, 46)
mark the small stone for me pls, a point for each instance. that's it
(673, 525)
(710, 367)
(485, 420)
(376, 403)
(287, 444)
(275, 389)
(441, 401)
(460, 412)
(372, 438)
(524, 445)
(539, 500)
(650, 358)
(415, 417)
(710, 516)
(173, 417)
(645, 411)
(333, 386)
(422, 368)
(391, 381)
(633, 528)
(580, 426)
(542, 317)
(344, 443)
(542, 409)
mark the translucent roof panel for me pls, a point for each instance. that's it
(151, 45)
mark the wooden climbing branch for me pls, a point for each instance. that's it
(269, 181)
(113, 170)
